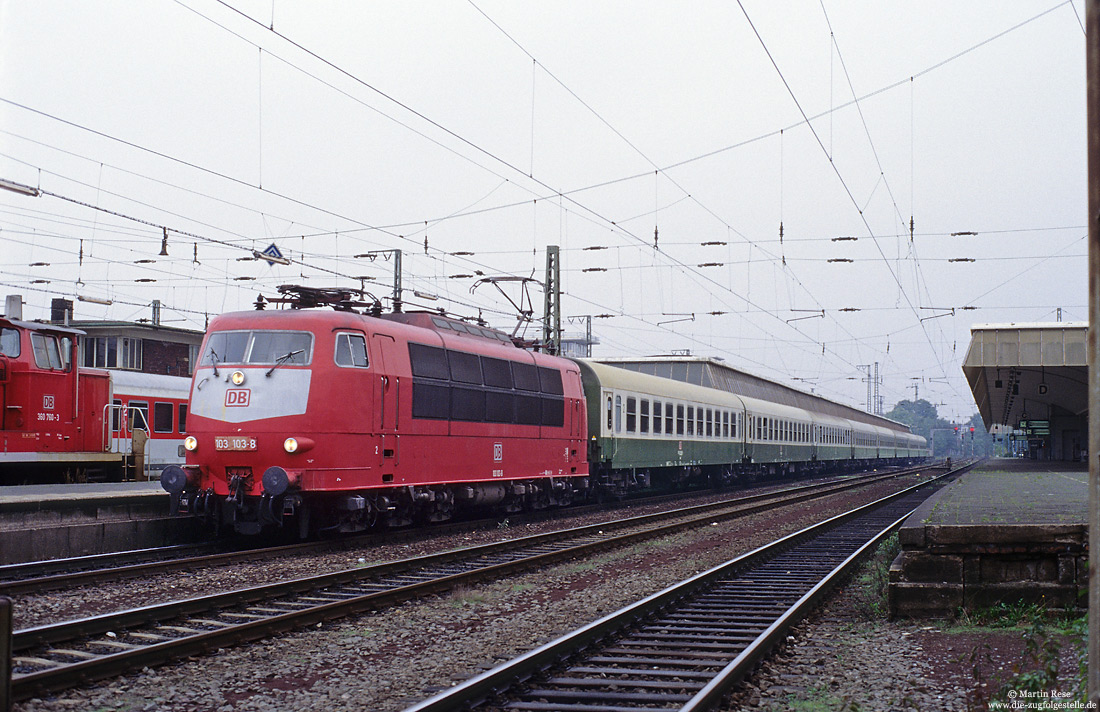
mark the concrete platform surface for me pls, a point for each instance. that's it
(1007, 531)
(88, 491)
(1014, 491)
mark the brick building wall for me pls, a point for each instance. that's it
(164, 357)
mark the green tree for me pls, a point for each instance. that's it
(924, 420)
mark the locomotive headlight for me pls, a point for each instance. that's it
(298, 444)
(190, 443)
(237, 378)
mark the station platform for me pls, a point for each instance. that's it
(39, 522)
(1008, 530)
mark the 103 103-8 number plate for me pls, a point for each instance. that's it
(234, 443)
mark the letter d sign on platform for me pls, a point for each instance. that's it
(237, 397)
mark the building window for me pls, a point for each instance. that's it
(111, 352)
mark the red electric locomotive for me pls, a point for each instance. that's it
(337, 420)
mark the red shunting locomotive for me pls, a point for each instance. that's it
(335, 420)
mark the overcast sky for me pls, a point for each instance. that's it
(496, 128)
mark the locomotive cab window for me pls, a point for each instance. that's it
(9, 342)
(351, 350)
(47, 353)
(268, 348)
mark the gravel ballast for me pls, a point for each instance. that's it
(390, 659)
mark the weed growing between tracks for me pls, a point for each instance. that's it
(1053, 656)
(872, 581)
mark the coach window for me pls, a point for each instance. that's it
(183, 418)
(699, 422)
(710, 423)
(668, 418)
(162, 417)
(725, 424)
(656, 417)
(609, 414)
(138, 415)
(618, 414)
(351, 350)
(691, 420)
(679, 419)
(631, 415)
(116, 415)
(643, 426)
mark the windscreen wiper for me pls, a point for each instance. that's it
(282, 359)
(214, 359)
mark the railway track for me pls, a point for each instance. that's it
(57, 574)
(685, 647)
(54, 657)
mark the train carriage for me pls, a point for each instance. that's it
(648, 430)
(156, 404)
(779, 434)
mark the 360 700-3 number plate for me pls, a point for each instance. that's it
(234, 443)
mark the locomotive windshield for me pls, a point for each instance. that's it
(289, 348)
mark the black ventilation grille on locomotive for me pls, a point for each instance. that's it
(456, 385)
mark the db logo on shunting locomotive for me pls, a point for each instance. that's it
(237, 397)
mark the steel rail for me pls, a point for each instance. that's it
(51, 575)
(529, 668)
(105, 645)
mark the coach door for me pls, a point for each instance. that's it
(387, 396)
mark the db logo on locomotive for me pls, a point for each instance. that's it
(237, 397)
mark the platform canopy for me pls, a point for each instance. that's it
(1025, 371)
